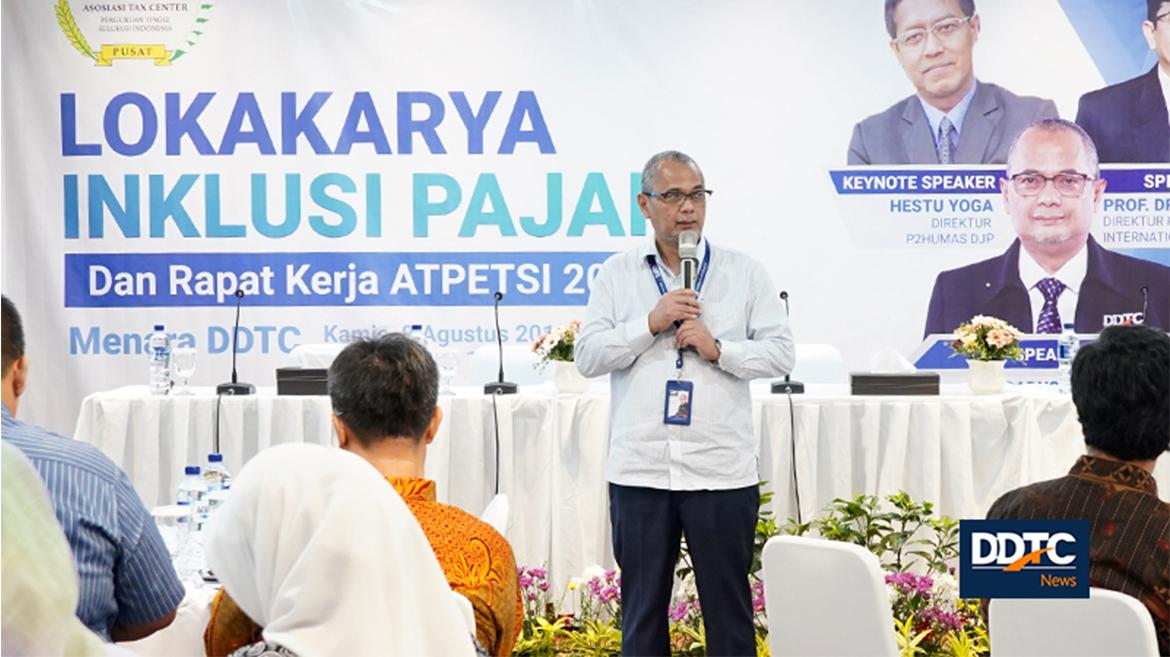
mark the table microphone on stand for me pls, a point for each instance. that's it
(787, 385)
(500, 386)
(235, 387)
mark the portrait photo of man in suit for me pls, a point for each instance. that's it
(952, 118)
(1054, 272)
(1129, 121)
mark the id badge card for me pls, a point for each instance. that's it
(679, 398)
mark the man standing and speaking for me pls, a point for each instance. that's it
(673, 318)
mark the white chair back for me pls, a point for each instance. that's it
(819, 363)
(826, 599)
(1106, 624)
(519, 365)
(496, 513)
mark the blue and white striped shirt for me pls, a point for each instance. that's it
(126, 576)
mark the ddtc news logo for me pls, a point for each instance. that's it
(1024, 558)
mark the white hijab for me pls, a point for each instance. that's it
(315, 547)
(40, 578)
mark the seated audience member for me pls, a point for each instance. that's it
(1121, 388)
(385, 396)
(310, 546)
(128, 585)
(40, 581)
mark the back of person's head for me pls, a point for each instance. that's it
(385, 387)
(11, 335)
(316, 548)
(1121, 388)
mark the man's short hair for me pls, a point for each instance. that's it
(384, 387)
(12, 338)
(965, 6)
(652, 165)
(1121, 388)
(1053, 124)
(1153, 8)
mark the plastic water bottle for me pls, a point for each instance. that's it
(215, 476)
(193, 491)
(218, 481)
(160, 361)
(1066, 348)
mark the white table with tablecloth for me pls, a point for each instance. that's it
(957, 450)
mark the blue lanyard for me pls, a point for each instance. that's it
(699, 280)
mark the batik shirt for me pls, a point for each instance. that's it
(475, 558)
(1129, 528)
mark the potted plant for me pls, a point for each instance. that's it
(556, 347)
(987, 343)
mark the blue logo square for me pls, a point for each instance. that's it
(1024, 558)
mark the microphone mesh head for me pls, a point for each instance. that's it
(688, 244)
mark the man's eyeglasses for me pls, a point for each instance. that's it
(1066, 184)
(675, 196)
(944, 30)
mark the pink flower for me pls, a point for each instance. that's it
(999, 338)
(678, 611)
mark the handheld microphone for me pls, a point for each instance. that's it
(1145, 302)
(499, 387)
(787, 385)
(688, 255)
(235, 387)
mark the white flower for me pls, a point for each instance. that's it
(592, 572)
(893, 593)
(945, 590)
(968, 339)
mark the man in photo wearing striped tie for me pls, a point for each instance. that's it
(1054, 272)
(952, 118)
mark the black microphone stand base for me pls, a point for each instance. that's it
(500, 388)
(235, 389)
(782, 387)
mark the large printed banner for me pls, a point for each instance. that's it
(354, 168)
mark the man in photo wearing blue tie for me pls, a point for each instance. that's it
(666, 348)
(1054, 272)
(952, 118)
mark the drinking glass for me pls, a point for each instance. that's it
(174, 525)
(183, 362)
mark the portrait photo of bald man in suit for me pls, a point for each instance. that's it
(952, 118)
(1054, 272)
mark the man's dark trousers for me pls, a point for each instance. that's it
(719, 526)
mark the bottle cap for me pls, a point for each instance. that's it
(1070, 325)
(215, 457)
(191, 470)
(158, 327)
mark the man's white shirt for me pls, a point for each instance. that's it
(741, 309)
(1072, 274)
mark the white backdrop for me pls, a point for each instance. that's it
(763, 94)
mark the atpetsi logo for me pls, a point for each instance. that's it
(1024, 558)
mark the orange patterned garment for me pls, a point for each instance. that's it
(476, 559)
